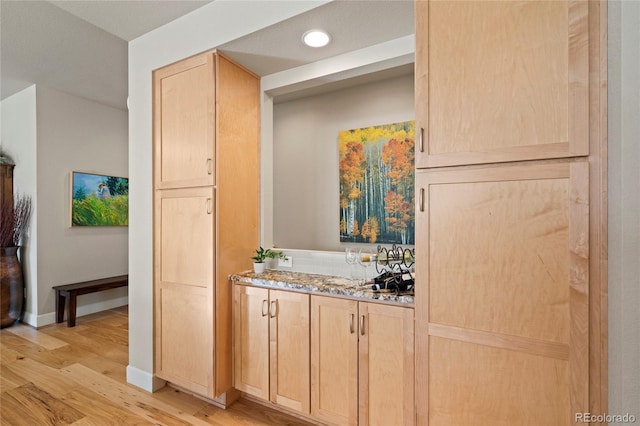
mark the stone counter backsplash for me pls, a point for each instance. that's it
(319, 284)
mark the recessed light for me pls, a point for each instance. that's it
(316, 38)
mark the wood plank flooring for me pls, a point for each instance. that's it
(76, 376)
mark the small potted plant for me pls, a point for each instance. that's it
(261, 257)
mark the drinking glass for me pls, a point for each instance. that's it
(351, 255)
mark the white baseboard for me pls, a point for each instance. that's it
(30, 318)
(144, 379)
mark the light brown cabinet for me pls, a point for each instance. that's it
(386, 367)
(511, 257)
(184, 123)
(334, 360)
(184, 287)
(362, 368)
(185, 351)
(501, 81)
(505, 322)
(251, 340)
(271, 347)
(206, 154)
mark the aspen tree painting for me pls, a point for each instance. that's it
(377, 184)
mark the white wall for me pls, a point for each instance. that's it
(19, 140)
(305, 151)
(76, 134)
(206, 28)
(624, 207)
(49, 134)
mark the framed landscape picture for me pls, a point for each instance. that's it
(377, 184)
(99, 200)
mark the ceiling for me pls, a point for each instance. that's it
(129, 19)
(80, 47)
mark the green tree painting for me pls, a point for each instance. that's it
(377, 184)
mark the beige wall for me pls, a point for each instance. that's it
(49, 134)
(305, 151)
(76, 134)
(624, 207)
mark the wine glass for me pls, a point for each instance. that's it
(367, 259)
(351, 255)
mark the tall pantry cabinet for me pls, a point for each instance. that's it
(206, 195)
(510, 218)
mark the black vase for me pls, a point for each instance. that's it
(12, 286)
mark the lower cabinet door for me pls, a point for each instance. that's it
(340, 361)
(334, 360)
(184, 347)
(386, 367)
(502, 294)
(289, 350)
(251, 340)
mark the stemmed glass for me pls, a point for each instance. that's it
(367, 259)
(351, 255)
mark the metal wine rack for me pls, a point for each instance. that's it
(395, 259)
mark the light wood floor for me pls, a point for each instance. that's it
(76, 376)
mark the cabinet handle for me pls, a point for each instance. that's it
(208, 203)
(351, 319)
(274, 309)
(421, 199)
(265, 308)
(362, 325)
(209, 168)
(421, 139)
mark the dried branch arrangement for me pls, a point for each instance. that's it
(14, 221)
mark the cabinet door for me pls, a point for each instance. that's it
(183, 276)
(501, 81)
(251, 344)
(334, 360)
(502, 295)
(184, 236)
(184, 346)
(289, 350)
(386, 365)
(184, 100)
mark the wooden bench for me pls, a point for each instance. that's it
(72, 291)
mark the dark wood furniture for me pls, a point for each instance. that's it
(72, 291)
(6, 185)
(11, 279)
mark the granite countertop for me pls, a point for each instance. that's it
(320, 284)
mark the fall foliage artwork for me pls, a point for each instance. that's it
(377, 184)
